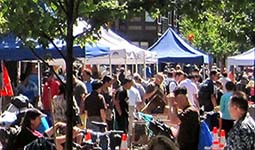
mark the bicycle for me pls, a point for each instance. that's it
(96, 145)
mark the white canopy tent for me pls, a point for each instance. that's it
(121, 51)
(245, 59)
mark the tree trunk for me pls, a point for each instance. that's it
(69, 71)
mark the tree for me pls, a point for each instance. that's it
(42, 21)
(222, 29)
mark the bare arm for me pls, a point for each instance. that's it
(173, 111)
(116, 103)
(103, 115)
(213, 100)
(50, 131)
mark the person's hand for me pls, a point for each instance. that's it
(76, 131)
(216, 109)
(60, 125)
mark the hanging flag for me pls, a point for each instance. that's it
(5, 82)
(1, 76)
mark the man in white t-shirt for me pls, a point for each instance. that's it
(224, 79)
(191, 89)
(134, 98)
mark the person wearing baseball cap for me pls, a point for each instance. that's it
(29, 126)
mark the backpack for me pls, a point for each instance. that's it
(204, 95)
(168, 86)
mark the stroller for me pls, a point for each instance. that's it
(11, 118)
(15, 111)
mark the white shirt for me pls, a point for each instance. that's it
(224, 80)
(191, 90)
(134, 96)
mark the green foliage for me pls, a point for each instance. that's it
(223, 28)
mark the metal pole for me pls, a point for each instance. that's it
(110, 64)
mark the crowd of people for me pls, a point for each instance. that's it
(174, 92)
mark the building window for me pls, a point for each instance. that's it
(144, 45)
(134, 27)
(152, 28)
(136, 19)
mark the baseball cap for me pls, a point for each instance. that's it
(34, 112)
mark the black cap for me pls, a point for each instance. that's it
(126, 80)
(96, 84)
(34, 112)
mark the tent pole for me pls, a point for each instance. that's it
(156, 67)
(144, 70)
(18, 71)
(125, 66)
(203, 71)
(136, 66)
(39, 78)
(110, 64)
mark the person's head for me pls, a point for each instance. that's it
(127, 83)
(159, 78)
(230, 86)
(170, 74)
(195, 71)
(178, 67)
(49, 74)
(181, 99)
(107, 80)
(179, 75)
(214, 75)
(137, 78)
(238, 106)
(162, 142)
(32, 118)
(86, 75)
(97, 85)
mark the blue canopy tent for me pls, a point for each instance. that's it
(207, 58)
(12, 49)
(171, 48)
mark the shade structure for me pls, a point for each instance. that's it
(121, 51)
(12, 49)
(170, 47)
(245, 59)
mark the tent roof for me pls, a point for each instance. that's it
(12, 49)
(247, 58)
(121, 51)
(172, 48)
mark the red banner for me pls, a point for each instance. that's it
(5, 86)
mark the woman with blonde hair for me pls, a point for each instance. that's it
(250, 90)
